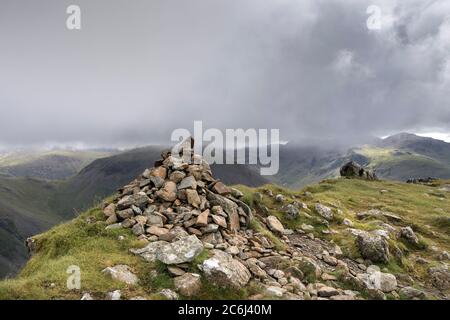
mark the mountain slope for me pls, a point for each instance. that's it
(88, 245)
(398, 157)
(25, 210)
(48, 165)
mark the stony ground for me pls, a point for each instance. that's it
(176, 232)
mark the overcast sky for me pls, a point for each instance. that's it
(139, 69)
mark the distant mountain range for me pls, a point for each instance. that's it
(40, 190)
(48, 165)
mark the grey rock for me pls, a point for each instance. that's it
(188, 182)
(225, 271)
(181, 251)
(324, 211)
(122, 273)
(291, 211)
(169, 294)
(148, 253)
(412, 293)
(275, 225)
(408, 234)
(373, 247)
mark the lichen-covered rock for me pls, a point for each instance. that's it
(373, 247)
(440, 276)
(148, 253)
(225, 271)
(181, 251)
(408, 234)
(324, 211)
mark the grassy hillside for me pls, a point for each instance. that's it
(86, 243)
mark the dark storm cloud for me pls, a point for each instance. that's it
(137, 70)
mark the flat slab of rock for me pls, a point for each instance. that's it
(148, 253)
(122, 273)
(225, 271)
(181, 251)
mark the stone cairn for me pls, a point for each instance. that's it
(180, 209)
(176, 193)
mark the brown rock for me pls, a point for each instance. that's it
(221, 221)
(175, 271)
(111, 219)
(159, 172)
(157, 231)
(110, 210)
(221, 189)
(234, 222)
(168, 192)
(202, 219)
(193, 198)
(195, 231)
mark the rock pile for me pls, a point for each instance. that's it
(354, 170)
(179, 197)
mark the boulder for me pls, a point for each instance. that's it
(374, 279)
(408, 234)
(324, 211)
(148, 253)
(275, 225)
(373, 247)
(221, 189)
(354, 170)
(193, 198)
(326, 292)
(291, 211)
(181, 251)
(109, 210)
(440, 277)
(225, 271)
(114, 295)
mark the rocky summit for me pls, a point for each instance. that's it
(177, 232)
